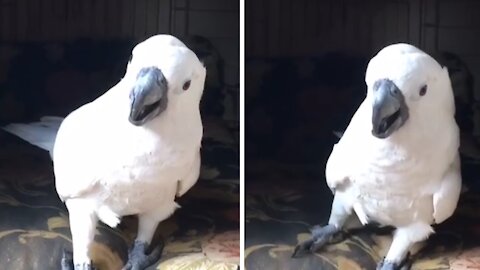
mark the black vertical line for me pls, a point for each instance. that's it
(40, 21)
(145, 17)
(14, 23)
(2, 5)
(187, 16)
(157, 13)
(90, 23)
(106, 20)
(305, 19)
(134, 20)
(112, 20)
(65, 11)
(422, 24)
(316, 28)
(398, 3)
(280, 39)
(331, 9)
(266, 21)
(408, 21)
(121, 7)
(170, 17)
(291, 28)
(437, 23)
(343, 21)
(66, 18)
(370, 27)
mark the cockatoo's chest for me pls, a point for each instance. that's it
(146, 163)
(146, 172)
(395, 188)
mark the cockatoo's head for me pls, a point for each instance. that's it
(162, 74)
(407, 86)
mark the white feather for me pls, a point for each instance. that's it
(41, 134)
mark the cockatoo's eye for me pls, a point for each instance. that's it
(186, 85)
(163, 81)
(423, 90)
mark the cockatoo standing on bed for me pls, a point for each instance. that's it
(131, 151)
(397, 164)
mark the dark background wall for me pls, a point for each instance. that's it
(306, 62)
(58, 54)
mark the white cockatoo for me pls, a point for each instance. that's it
(397, 164)
(131, 151)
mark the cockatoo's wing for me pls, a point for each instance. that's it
(191, 178)
(336, 171)
(41, 134)
(446, 198)
(75, 149)
(343, 159)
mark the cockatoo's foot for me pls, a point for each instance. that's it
(320, 237)
(67, 263)
(84, 266)
(139, 260)
(386, 265)
(67, 260)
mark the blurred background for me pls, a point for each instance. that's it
(305, 66)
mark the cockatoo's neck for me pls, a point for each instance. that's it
(180, 122)
(180, 111)
(431, 138)
(421, 129)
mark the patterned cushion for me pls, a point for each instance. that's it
(277, 220)
(34, 227)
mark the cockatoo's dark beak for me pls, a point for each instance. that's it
(389, 109)
(148, 96)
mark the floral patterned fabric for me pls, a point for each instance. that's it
(203, 234)
(277, 220)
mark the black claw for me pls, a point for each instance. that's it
(302, 248)
(320, 237)
(155, 255)
(139, 260)
(88, 266)
(384, 265)
(67, 263)
(338, 237)
(318, 243)
(67, 260)
(404, 265)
